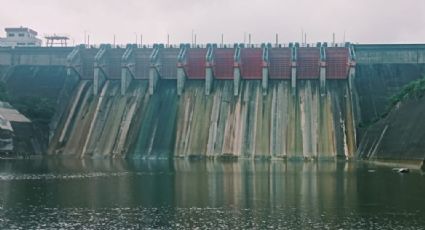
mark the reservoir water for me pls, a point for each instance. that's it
(208, 194)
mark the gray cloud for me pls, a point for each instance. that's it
(364, 21)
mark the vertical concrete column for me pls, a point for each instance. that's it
(351, 76)
(74, 62)
(100, 68)
(294, 77)
(208, 80)
(265, 68)
(181, 78)
(352, 67)
(265, 79)
(322, 77)
(98, 80)
(126, 80)
(128, 68)
(236, 80)
(352, 93)
(68, 71)
(153, 80)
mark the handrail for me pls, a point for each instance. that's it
(100, 54)
(265, 55)
(237, 55)
(352, 52)
(155, 53)
(220, 45)
(210, 53)
(71, 56)
(128, 52)
(322, 53)
(182, 53)
(294, 52)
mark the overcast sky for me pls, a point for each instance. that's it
(364, 21)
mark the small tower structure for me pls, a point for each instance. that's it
(56, 40)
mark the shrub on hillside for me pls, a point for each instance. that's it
(415, 89)
(35, 108)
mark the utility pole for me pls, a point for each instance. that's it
(222, 40)
(168, 40)
(195, 39)
(277, 40)
(249, 39)
(114, 41)
(192, 38)
(85, 37)
(141, 40)
(302, 36)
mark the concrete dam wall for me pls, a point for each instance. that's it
(381, 72)
(251, 124)
(279, 102)
(159, 102)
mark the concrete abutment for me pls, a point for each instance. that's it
(209, 80)
(181, 79)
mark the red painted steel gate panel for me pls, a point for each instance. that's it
(337, 62)
(115, 57)
(88, 63)
(280, 63)
(308, 63)
(195, 66)
(251, 59)
(143, 62)
(168, 60)
(223, 63)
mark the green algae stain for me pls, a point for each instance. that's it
(283, 123)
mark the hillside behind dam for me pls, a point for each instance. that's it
(283, 123)
(386, 131)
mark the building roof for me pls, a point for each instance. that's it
(57, 37)
(21, 29)
(5, 124)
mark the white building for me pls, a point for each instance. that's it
(20, 36)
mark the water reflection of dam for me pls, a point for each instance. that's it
(158, 193)
(181, 183)
(263, 184)
(248, 101)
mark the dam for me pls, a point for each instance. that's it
(212, 114)
(159, 101)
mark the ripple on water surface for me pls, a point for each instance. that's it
(196, 218)
(208, 195)
(55, 176)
